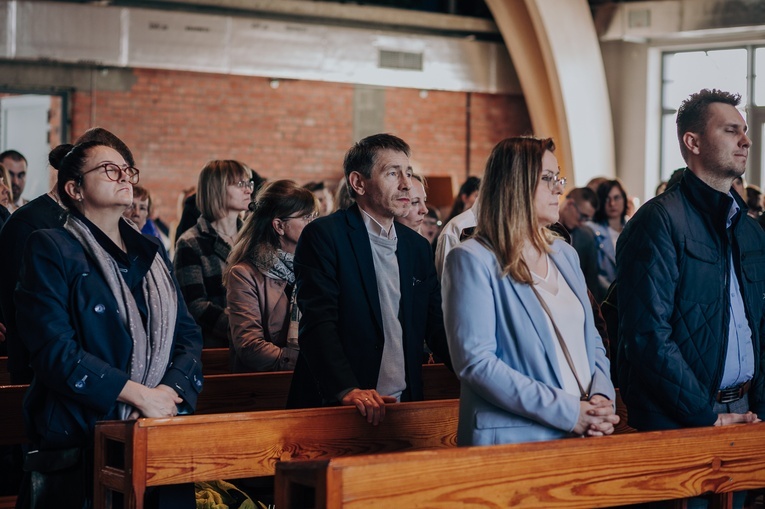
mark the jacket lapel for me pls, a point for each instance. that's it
(359, 240)
(405, 256)
(538, 319)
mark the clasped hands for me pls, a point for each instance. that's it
(596, 417)
(161, 401)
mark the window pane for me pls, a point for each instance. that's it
(759, 81)
(689, 72)
(670, 147)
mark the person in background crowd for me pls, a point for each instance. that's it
(190, 212)
(367, 291)
(138, 211)
(575, 212)
(691, 312)
(416, 215)
(6, 198)
(753, 201)
(518, 319)
(739, 185)
(260, 279)
(343, 198)
(322, 193)
(607, 224)
(661, 188)
(454, 232)
(134, 353)
(6, 193)
(595, 182)
(431, 225)
(223, 193)
(465, 198)
(45, 211)
(16, 164)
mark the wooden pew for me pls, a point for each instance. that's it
(11, 418)
(215, 361)
(11, 426)
(250, 392)
(247, 392)
(5, 376)
(573, 473)
(230, 446)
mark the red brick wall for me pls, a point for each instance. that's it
(176, 121)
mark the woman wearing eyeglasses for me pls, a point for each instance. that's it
(108, 333)
(519, 324)
(260, 281)
(607, 224)
(223, 193)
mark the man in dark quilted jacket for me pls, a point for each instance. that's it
(691, 285)
(691, 272)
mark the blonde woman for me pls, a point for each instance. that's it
(518, 320)
(223, 193)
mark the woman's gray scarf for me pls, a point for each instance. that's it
(151, 345)
(279, 265)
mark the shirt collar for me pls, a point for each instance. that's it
(732, 211)
(375, 228)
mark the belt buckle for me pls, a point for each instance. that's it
(730, 395)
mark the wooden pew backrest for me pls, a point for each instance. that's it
(216, 361)
(230, 446)
(571, 473)
(5, 376)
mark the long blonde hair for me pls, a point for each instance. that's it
(506, 219)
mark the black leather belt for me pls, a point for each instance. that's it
(732, 394)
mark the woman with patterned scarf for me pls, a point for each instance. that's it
(260, 281)
(108, 333)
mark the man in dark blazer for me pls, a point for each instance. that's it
(367, 291)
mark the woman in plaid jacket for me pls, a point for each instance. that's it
(223, 192)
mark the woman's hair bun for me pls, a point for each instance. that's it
(57, 155)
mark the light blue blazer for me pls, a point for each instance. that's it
(504, 354)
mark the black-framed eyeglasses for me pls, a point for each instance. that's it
(114, 172)
(306, 217)
(249, 184)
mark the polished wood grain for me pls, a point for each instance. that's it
(249, 444)
(572, 473)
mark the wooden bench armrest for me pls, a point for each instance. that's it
(301, 482)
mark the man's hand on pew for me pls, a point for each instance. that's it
(596, 417)
(369, 403)
(161, 401)
(726, 419)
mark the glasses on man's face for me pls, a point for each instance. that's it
(246, 184)
(307, 217)
(583, 218)
(114, 172)
(553, 180)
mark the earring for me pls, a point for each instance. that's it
(79, 197)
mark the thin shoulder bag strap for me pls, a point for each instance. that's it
(584, 394)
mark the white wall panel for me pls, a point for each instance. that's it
(133, 37)
(66, 32)
(177, 40)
